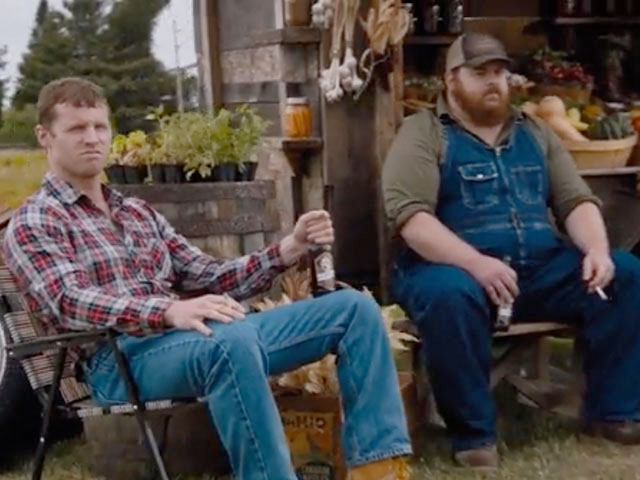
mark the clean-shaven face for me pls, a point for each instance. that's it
(78, 140)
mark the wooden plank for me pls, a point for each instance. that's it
(596, 21)
(239, 18)
(239, 225)
(287, 35)
(198, 192)
(601, 172)
(214, 62)
(430, 40)
(247, 92)
(252, 242)
(542, 328)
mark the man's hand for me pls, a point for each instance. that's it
(498, 279)
(191, 314)
(313, 228)
(597, 269)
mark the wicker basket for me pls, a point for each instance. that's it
(602, 153)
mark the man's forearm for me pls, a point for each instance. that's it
(428, 237)
(586, 228)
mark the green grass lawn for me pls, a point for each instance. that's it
(21, 172)
(534, 445)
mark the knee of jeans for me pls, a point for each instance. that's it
(364, 306)
(627, 268)
(238, 340)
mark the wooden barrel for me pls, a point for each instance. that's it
(225, 220)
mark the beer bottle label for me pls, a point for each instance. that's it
(325, 274)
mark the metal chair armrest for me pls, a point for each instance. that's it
(66, 340)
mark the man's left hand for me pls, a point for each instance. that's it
(597, 269)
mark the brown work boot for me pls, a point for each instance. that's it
(395, 468)
(625, 433)
(483, 459)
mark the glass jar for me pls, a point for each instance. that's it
(431, 17)
(586, 8)
(297, 13)
(455, 17)
(567, 8)
(297, 117)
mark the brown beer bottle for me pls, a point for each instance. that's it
(323, 275)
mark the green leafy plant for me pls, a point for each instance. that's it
(248, 132)
(130, 150)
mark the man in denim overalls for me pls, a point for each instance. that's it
(468, 190)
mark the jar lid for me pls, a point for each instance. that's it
(297, 100)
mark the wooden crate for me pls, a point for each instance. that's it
(312, 426)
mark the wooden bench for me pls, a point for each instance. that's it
(523, 362)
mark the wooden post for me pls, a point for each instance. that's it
(388, 118)
(213, 41)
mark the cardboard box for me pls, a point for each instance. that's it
(312, 426)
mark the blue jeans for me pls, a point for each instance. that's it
(231, 367)
(454, 317)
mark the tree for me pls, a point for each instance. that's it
(3, 81)
(107, 41)
(49, 56)
(41, 13)
(136, 79)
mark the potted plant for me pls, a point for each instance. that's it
(114, 170)
(185, 145)
(248, 132)
(222, 134)
(135, 157)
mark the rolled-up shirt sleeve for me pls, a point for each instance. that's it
(411, 175)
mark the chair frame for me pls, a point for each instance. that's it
(49, 393)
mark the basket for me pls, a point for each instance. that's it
(577, 93)
(602, 153)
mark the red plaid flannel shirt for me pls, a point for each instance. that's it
(79, 270)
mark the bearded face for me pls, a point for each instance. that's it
(482, 93)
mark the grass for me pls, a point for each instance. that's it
(21, 172)
(534, 446)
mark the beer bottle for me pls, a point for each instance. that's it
(505, 311)
(323, 275)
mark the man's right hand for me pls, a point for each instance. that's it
(191, 314)
(498, 279)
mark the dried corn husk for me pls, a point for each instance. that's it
(390, 315)
(320, 378)
(296, 284)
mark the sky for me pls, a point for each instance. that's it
(17, 18)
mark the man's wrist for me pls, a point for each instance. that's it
(291, 250)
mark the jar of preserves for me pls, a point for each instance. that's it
(297, 13)
(297, 117)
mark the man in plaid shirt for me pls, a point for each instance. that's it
(86, 257)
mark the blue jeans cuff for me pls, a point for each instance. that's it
(395, 451)
(462, 444)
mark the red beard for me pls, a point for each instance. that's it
(480, 112)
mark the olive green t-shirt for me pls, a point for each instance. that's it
(411, 173)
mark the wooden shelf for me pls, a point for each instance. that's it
(596, 20)
(301, 145)
(287, 35)
(430, 40)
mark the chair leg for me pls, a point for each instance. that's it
(134, 398)
(48, 413)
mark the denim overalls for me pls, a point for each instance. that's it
(496, 199)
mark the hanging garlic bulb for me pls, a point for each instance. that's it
(322, 13)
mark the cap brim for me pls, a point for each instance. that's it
(481, 60)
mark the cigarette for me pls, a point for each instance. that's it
(601, 294)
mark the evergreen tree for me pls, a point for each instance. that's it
(49, 56)
(107, 41)
(3, 81)
(41, 13)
